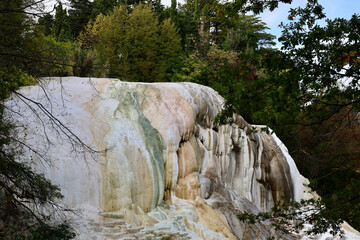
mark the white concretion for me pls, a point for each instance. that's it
(163, 163)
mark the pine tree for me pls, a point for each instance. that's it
(80, 13)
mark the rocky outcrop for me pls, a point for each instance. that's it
(165, 166)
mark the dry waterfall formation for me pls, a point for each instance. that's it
(168, 172)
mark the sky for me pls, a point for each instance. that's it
(332, 8)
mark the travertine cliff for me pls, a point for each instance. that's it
(166, 166)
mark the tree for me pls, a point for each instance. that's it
(232, 65)
(310, 97)
(103, 7)
(291, 217)
(246, 33)
(47, 22)
(326, 60)
(137, 47)
(80, 13)
(61, 28)
(24, 50)
(329, 156)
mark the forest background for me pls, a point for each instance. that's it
(308, 92)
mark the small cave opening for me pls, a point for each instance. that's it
(215, 129)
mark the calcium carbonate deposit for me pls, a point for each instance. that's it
(164, 170)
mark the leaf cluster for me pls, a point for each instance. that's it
(309, 216)
(134, 43)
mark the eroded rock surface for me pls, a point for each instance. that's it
(166, 168)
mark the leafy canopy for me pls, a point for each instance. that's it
(136, 45)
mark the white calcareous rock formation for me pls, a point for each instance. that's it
(166, 169)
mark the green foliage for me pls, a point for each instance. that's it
(186, 24)
(324, 63)
(88, 63)
(26, 227)
(244, 33)
(12, 78)
(232, 65)
(326, 59)
(136, 46)
(219, 69)
(90, 37)
(13, 24)
(25, 52)
(62, 231)
(309, 94)
(103, 7)
(80, 13)
(258, 6)
(24, 43)
(20, 181)
(294, 215)
(52, 57)
(20, 188)
(61, 25)
(47, 22)
(240, 79)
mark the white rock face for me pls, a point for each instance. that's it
(165, 166)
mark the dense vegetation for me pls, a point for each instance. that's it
(308, 92)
